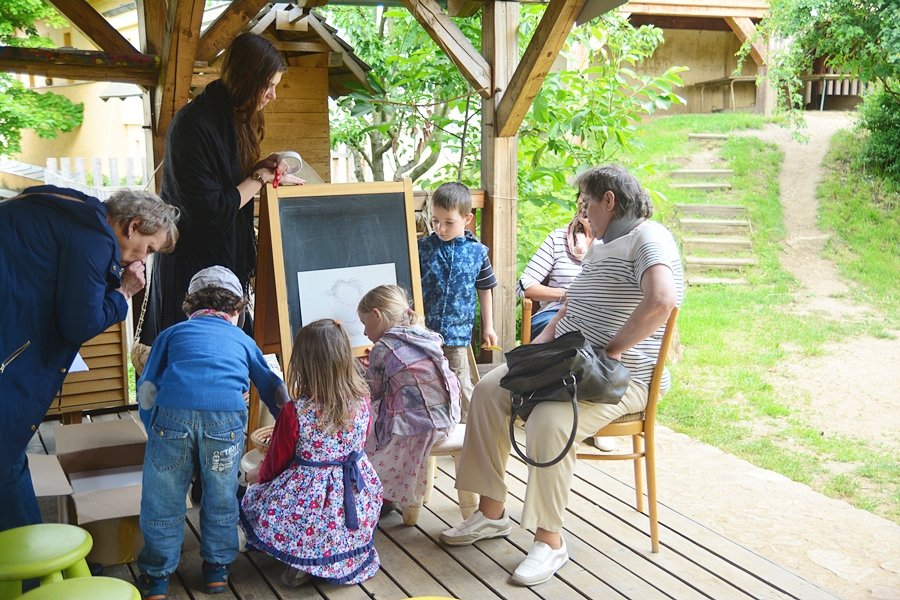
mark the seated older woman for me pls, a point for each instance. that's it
(620, 301)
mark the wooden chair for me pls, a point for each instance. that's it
(527, 312)
(641, 427)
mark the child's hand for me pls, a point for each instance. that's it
(364, 359)
(489, 338)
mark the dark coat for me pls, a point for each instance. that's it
(59, 270)
(200, 177)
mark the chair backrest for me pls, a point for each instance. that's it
(659, 369)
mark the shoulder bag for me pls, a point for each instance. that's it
(567, 369)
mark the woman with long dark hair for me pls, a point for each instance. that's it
(211, 172)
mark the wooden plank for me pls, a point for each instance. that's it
(745, 30)
(84, 387)
(721, 8)
(719, 262)
(702, 185)
(762, 569)
(86, 65)
(224, 29)
(473, 67)
(94, 352)
(420, 198)
(703, 173)
(718, 211)
(595, 516)
(400, 560)
(700, 280)
(716, 244)
(327, 37)
(714, 226)
(83, 16)
(289, 105)
(109, 336)
(543, 49)
(151, 25)
(707, 136)
(94, 374)
(177, 588)
(190, 566)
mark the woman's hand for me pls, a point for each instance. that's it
(133, 279)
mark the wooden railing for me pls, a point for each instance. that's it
(123, 172)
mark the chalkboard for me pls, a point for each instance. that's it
(310, 233)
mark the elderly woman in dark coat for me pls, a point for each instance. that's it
(68, 266)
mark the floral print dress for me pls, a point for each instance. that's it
(319, 510)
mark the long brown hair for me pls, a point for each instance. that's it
(249, 63)
(323, 369)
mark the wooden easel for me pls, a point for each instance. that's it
(273, 330)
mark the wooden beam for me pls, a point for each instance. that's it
(174, 85)
(462, 8)
(447, 35)
(302, 46)
(746, 30)
(151, 25)
(83, 16)
(87, 65)
(312, 22)
(752, 9)
(232, 20)
(544, 47)
(499, 168)
(696, 23)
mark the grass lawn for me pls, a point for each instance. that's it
(734, 336)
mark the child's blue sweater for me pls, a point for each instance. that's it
(205, 363)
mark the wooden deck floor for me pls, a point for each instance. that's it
(608, 543)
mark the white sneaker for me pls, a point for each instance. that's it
(541, 564)
(476, 527)
(605, 443)
(294, 577)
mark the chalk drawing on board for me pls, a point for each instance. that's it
(335, 294)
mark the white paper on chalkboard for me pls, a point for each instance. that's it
(335, 294)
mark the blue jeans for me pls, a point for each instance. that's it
(179, 439)
(540, 321)
(20, 507)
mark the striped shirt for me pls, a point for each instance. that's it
(552, 264)
(608, 290)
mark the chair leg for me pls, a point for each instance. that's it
(636, 446)
(429, 479)
(468, 501)
(650, 457)
(411, 515)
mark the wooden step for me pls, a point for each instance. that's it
(721, 245)
(702, 185)
(715, 226)
(703, 173)
(720, 263)
(700, 280)
(707, 136)
(711, 211)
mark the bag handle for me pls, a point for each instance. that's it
(568, 446)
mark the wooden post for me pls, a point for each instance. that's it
(499, 42)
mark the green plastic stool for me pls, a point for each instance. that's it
(50, 552)
(85, 588)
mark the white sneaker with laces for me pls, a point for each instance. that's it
(476, 527)
(605, 444)
(541, 564)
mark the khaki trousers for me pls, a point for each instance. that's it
(458, 360)
(486, 449)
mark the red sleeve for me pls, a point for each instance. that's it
(281, 448)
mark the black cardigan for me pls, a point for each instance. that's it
(200, 177)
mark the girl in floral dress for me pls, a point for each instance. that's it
(415, 396)
(317, 499)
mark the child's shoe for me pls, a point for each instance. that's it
(153, 588)
(216, 577)
(293, 578)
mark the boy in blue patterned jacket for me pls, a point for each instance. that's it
(454, 266)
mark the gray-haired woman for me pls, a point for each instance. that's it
(68, 266)
(620, 301)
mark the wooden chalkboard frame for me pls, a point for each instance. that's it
(273, 330)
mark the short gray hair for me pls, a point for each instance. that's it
(149, 211)
(631, 198)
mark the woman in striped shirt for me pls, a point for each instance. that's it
(553, 267)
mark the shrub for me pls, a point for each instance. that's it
(881, 117)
